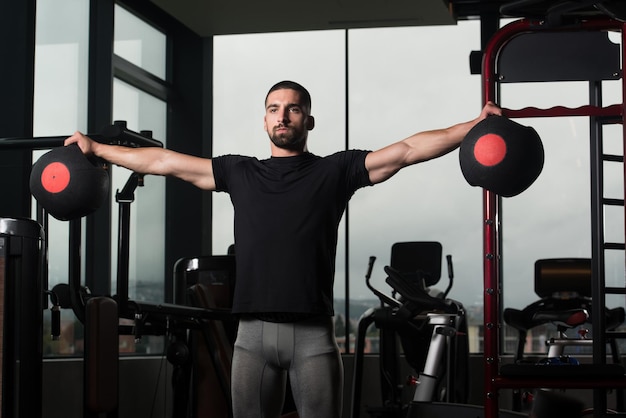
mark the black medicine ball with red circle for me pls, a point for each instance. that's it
(67, 184)
(502, 156)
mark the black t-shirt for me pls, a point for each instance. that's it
(287, 212)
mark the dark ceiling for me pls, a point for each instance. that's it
(219, 17)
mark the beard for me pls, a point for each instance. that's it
(292, 139)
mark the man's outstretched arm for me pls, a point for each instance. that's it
(422, 146)
(151, 160)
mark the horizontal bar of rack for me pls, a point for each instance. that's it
(529, 112)
(614, 246)
(613, 202)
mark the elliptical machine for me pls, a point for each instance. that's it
(435, 345)
(433, 332)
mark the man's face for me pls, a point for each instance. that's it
(286, 121)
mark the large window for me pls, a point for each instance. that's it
(147, 211)
(400, 81)
(144, 46)
(406, 80)
(61, 108)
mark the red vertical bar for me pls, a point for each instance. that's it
(491, 234)
(491, 302)
(490, 249)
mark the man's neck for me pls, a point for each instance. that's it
(283, 152)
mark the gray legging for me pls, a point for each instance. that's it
(266, 351)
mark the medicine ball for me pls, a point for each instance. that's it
(68, 184)
(501, 156)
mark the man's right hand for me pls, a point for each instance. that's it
(85, 143)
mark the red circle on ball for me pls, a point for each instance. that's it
(490, 150)
(55, 177)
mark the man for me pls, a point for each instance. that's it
(287, 211)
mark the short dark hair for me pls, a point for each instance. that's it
(292, 85)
